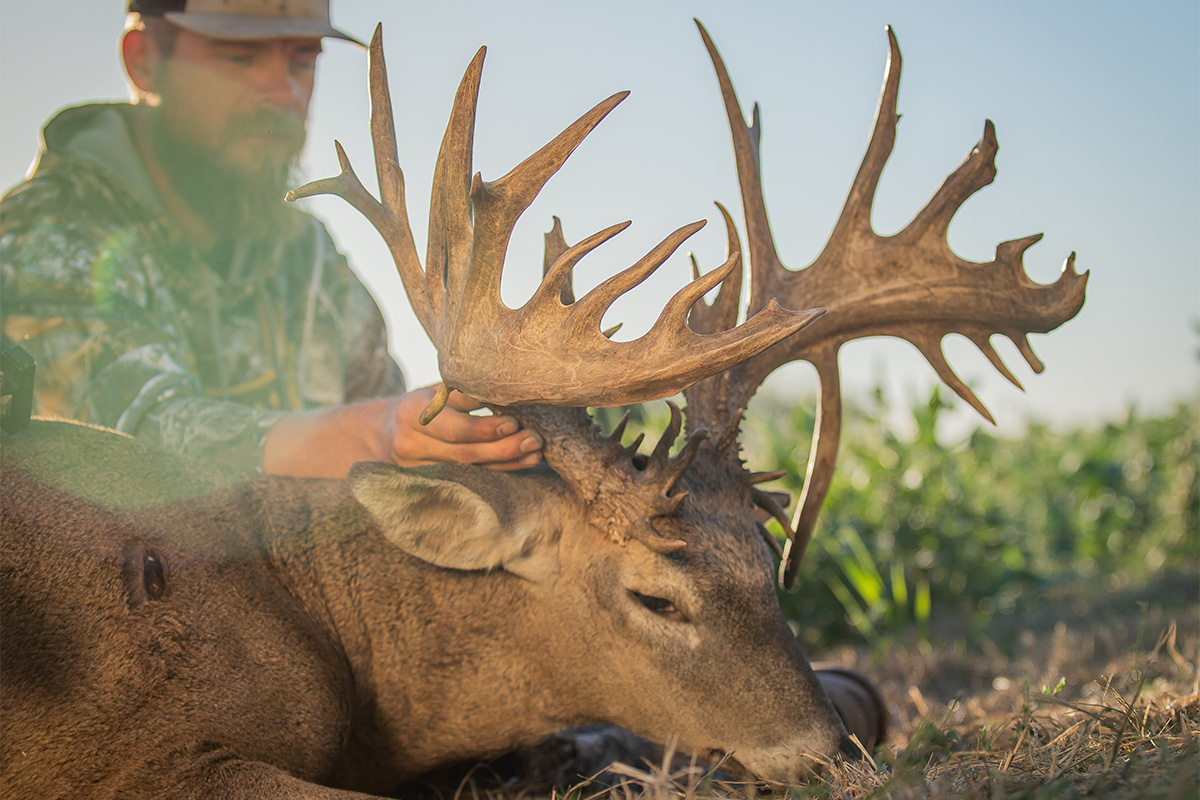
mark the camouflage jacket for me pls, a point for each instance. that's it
(132, 328)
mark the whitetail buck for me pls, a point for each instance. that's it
(166, 635)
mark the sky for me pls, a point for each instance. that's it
(1096, 106)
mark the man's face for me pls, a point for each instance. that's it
(244, 102)
(231, 125)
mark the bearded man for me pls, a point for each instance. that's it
(164, 289)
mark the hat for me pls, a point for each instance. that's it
(245, 19)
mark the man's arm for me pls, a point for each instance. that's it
(323, 444)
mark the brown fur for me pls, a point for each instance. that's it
(170, 633)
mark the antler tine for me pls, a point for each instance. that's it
(496, 206)
(347, 186)
(383, 133)
(855, 219)
(390, 217)
(658, 459)
(746, 139)
(555, 247)
(557, 274)
(619, 431)
(590, 309)
(768, 503)
(667, 471)
(822, 457)
(452, 237)
(910, 285)
(723, 313)
(710, 399)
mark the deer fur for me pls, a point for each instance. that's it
(298, 642)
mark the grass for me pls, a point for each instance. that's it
(1100, 704)
(1029, 608)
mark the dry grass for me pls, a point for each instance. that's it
(1088, 697)
(1044, 729)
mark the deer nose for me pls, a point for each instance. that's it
(849, 750)
(859, 704)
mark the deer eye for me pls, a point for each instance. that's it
(658, 605)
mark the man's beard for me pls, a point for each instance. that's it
(235, 201)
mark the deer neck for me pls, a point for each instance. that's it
(445, 664)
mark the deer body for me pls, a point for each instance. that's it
(293, 639)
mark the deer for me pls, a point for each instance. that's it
(169, 632)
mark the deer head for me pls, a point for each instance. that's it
(670, 543)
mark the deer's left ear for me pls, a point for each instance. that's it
(434, 515)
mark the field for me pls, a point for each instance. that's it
(1030, 609)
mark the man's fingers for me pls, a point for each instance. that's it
(457, 427)
(455, 436)
(521, 449)
(461, 402)
(531, 460)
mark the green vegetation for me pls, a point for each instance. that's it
(915, 530)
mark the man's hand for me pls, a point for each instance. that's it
(325, 443)
(456, 436)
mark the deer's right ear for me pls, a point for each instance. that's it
(443, 521)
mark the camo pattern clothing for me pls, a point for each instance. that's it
(132, 328)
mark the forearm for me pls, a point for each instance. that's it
(323, 444)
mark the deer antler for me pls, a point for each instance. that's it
(548, 351)
(909, 285)
(623, 490)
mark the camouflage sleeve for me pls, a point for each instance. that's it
(145, 392)
(78, 294)
(370, 370)
(367, 369)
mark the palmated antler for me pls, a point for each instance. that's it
(548, 351)
(909, 285)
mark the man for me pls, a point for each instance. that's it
(151, 268)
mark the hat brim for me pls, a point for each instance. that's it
(246, 26)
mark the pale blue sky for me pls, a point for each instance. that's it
(1096, 105)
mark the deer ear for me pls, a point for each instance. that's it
(434, 515)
